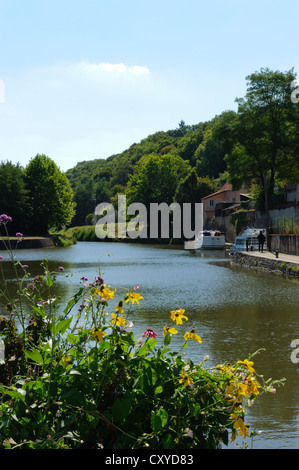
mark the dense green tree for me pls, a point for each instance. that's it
(156, 179)
(266, 134)
(215, 144)
(14, 196)
(85, 199)
(188, 144)
(193, 188)
(50, 195)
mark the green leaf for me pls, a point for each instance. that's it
(49, 281)
(158, 389)
(159, 419)
(18, 394)
(40, 311)
(34, 355)
(121, 408)
(148, 346)
(70, 304)
(72, 339)
(62, 325)
(168, 441)
(167, 339)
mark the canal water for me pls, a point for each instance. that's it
(236, 312)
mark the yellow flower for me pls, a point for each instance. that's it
(252, 386)
(66, 360)
(185, 379)
(240, 425)
(98, 334)
(133, 297)
(119, 307)
(107, 293)
(248, 364)
(178, 315)
(166, 330)
(192, 335)
(119, 321)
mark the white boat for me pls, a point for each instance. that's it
(207, 240)
(248, 240)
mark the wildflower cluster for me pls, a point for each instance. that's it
(75, 376)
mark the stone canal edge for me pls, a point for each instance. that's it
(278, 264)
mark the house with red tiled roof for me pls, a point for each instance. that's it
(214, 204)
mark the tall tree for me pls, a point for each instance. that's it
(266, 134)
(50, 193)
(156, 178)
(14, 196)
(215, 144)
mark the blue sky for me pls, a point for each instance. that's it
(87, 79)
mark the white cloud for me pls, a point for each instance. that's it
(87, 67)
(113, 67)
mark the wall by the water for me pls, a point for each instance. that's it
(285, 243)
(38, 242)
(274, 266)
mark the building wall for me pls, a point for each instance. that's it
(285, 244)
(209, 203)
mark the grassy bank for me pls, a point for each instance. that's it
(86, 233)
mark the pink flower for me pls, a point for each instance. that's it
(150, 333)
(61, 268)
(5, 218)
(189, 432)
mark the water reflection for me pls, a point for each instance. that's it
(235, 311)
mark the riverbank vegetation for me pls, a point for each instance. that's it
(75, 376)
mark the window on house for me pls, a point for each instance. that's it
(211, 203)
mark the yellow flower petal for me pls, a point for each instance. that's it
(178, 316)
(133, 297)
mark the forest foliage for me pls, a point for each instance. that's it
(188, 160)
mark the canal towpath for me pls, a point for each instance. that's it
(270, 255)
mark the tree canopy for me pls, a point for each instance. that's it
(265, 135)
(50, 195)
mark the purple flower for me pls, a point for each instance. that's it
(150, 333)
(99, 280)
(25, 266)
(19, 234)
(1, 257)
(5, 218)
(61, 268)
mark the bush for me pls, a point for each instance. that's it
(80, 378)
